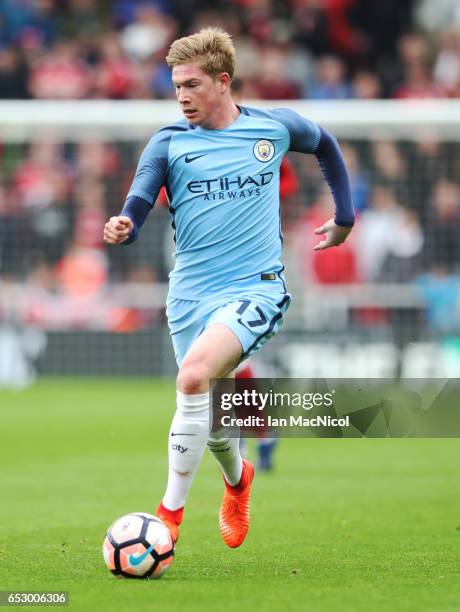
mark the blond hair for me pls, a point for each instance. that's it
(212, 49)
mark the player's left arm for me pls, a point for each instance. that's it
(308, 137)
(332, 164)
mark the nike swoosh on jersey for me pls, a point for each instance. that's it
(189, 159)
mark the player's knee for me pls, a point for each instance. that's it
(193, 379)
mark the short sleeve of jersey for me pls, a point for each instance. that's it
(305, 134)
(152, 169)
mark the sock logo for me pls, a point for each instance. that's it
(181, 434)
(179, 448)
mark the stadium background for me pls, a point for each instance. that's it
(345, 525)
(384, 304)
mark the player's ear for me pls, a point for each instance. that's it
(224, 80)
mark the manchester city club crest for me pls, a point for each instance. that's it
(264, 150)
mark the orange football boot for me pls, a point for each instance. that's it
(234, 511)
(172, 519)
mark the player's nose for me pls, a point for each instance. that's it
(183, 96)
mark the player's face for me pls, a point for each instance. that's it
(198, 94)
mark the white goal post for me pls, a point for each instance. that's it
(22, 121)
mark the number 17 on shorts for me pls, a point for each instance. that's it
(254, 320)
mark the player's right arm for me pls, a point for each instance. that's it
(150, 176)
(118, 229)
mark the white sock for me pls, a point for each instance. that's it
(187, 441)
(227, 453)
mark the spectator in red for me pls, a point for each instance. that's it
(42, 177)
(343, 37)
(61, 74)
(274, 82)
(332, 266)
(419, 84)
(116, 75)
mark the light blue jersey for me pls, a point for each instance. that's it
(223, 190)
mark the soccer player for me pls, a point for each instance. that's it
(227, 294)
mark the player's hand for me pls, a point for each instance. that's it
(335, 235)
(117, 230)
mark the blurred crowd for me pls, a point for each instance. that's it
(407, 198)
(287, 49)
(55, 197)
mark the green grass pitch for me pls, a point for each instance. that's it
(340, 525)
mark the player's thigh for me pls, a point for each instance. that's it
(186, 321)
(216, 352)
(253, 319)
(211, 338)
(211, 352)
